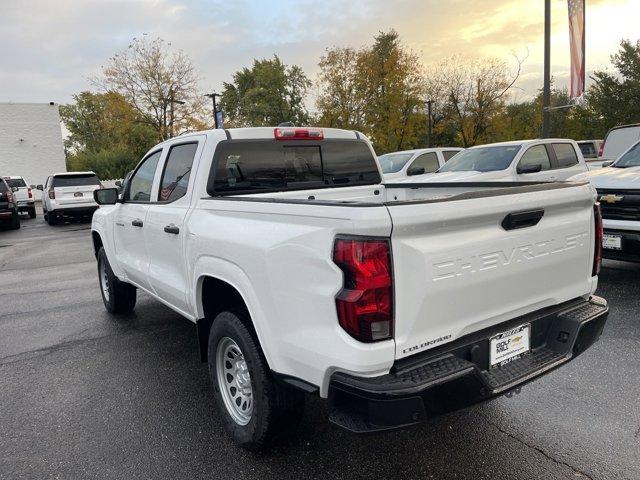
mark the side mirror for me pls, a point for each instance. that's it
(39, 187)
(14, 189)
(118, 183)
(415, 171)
(530, 168)
(106, 196)
(606, 164)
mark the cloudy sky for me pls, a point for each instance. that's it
(48, 48)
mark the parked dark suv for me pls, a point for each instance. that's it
(8, 207)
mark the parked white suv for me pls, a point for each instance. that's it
(303, 273)
(69, 194)
(22, 195)
(399, 165)
(545, 160)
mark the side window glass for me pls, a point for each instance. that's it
(565, 154)
(536, 156)
(447, 154)
(142, 180)
(177, 170)
(428, 161)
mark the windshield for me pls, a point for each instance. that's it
(629, 159)
(393, 162)
(482, 159)
(15, 182)
(77, 180)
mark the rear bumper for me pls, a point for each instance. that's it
(457, 375)
(630, 246)
(26, 205)
(71, 210)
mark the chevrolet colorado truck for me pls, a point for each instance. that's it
(304, 274)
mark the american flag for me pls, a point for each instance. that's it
(576, 38)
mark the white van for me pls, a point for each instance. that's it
(617, 141)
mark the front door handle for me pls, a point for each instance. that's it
(137, 223)
(172, 229)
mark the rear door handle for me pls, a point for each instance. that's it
(172, 229)
(137, 223)
(514, 221)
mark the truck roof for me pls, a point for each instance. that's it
(524, 142)
(268, 132)
(73, 173)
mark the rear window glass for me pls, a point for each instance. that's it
(3, 187)
(393, 162)
(588, 150)
(447, 154)
(15, 182)
(75, 180)
(253, 166)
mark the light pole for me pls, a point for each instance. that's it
(171, 100)
(546, 91)
(429, 124)
(213, 96)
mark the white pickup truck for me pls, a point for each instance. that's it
(304, 274)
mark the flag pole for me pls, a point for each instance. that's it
(546, 92)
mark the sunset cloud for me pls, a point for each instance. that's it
(49, 49)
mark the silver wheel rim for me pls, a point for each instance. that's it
(104, 280)
(234, 381)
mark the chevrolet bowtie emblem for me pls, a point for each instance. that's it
(611, 198)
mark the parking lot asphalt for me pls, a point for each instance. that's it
(85, 396)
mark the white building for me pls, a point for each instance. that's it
(31, 141)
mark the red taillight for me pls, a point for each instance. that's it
(9, 197)
(52, 194)
(601, 149)
(597, 249)
(292, 133)
(365, 303)
(29, 192)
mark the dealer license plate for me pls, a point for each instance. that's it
(507, 346)
(612, 242)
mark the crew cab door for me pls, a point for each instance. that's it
(532, 156)
(566, 161)
(165, 231)
(131, 218)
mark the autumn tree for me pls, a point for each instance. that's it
(469, 94)
(159, 82)
(266, 94)
(106, 134)
(378, 90)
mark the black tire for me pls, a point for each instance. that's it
(15, 222)
(121, 298)
(32, 212)
(51, 218)
(276, 407)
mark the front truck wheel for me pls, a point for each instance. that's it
(253, 406)
(118, 297)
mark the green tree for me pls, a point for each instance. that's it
(378, 90)
(266, 94)
(613, 98)
(106, 134)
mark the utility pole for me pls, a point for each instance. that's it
(546, 92)
(429, 124)
(171, 101)
(213, 96)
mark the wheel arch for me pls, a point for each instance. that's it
(214, 295)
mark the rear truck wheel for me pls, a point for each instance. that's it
(253, 406)
(32, 212)
(119, 297)
(15, 221)
(51, 218)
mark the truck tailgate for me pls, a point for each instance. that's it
(457, 269)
